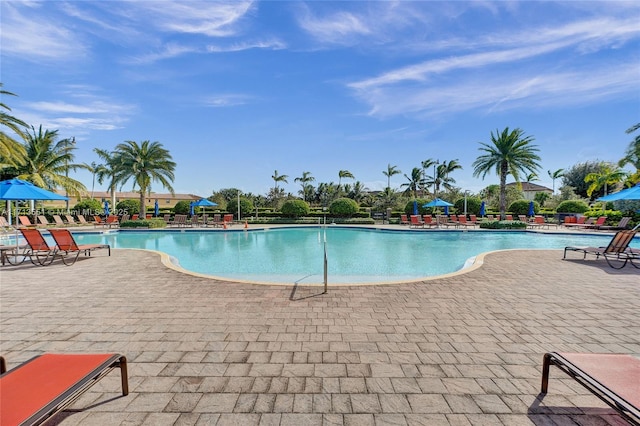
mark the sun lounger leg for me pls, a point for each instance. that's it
(124, 376)
(546, 362)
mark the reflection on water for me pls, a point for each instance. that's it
(355, 255)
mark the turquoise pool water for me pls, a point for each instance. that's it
(355, 255)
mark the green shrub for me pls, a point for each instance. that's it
(182, 207)
(473, 205)
(503, 224)
(572, 206)
(522, 207)
(246, 207)
(343, 207)
(89, 207)
(144, 223)
(408, 208)
(295, 208)
(129, 207)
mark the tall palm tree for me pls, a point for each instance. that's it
(278, 178)
(555, 175)
(632, 154)
(443, 172)
(357, 192)
(107, 170)
(344, 174)
(145, 163)
(304, 182)
(608, 175)
(12, 152)
(415, 182)
(48, 161)
(510, 153)
(429, 179)
(391, 170)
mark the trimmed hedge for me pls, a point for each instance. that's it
(144, 223)
(503, 224)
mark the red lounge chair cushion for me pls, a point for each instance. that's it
(20, 397)
(615, 371)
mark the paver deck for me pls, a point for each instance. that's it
(462, 350)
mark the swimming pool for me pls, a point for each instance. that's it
(355, 255)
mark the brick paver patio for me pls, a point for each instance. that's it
(461, 350)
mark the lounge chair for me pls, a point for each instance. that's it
(179, 220)
(43, 221)
(462, 221)
(33, 392)
(227, 220)
(58, 220)
(112, 221)
(428, 221)
(598, 223)
(67, 246)
(416, 222)
(581, 221)
(25, 222)
(82, 220)
(615, 253)
(37, 249)
(614, 378)
(5, 225)
(624, 222)
(404, 220)
(216, 221)
(539, 222)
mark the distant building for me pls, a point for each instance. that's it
(165, 200)
(530, 189)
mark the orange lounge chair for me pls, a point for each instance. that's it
(416, 222)
(404, 220)
(25, 222)
(37, 249)
(227, 220)
(614, 378)
(66, 246)
(616, 251)
(33, 392)
(428, 221)
(58, 220)
(462, 221)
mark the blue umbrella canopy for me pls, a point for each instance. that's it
(107, 212)
(483, 208)
(156, 209)
(191, 208)
(632, 193)
(531, 209)
(438, 203)
(203, 202)
(415, 207)
(17, 189)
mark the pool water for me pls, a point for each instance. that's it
(355, 255)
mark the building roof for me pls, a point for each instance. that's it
(136, 195)
(531, 187)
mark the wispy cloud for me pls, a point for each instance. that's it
(460, 82)
(226, 100)
(32, 36)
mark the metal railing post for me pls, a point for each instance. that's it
(325, 266)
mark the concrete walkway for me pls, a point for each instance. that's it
(463, 350)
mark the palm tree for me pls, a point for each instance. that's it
(304, 182)
(608, 175)
(12, 152)
(144, 163)
(278, 178)
(555, 175)
(391, 170)
(344, 174)
(108, 169)
(48, 162)
(511, 153)
(357, 192)
(429, 180)
(415, 181)
(442, 174)
(632, 154)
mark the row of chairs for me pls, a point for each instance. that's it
(40, 253)
(182, 220)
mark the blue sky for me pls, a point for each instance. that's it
(237, 90)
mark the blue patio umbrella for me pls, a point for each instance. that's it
(632, 193)
(156, 209)
(191, 209)
(106, 208)
(531, 209)
(446, 210)
(483, 207)
(438, 203)
(203, 202)
(415, 207)
(17, 189)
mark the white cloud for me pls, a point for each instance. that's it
(33, 36)
(226, 100)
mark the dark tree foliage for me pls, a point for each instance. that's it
(574, 177)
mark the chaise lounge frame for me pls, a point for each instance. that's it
(603, 385)
(29, 395)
